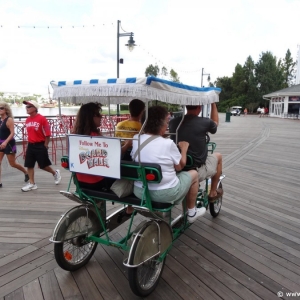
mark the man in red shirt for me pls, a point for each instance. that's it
(266, 111)
(38, 131)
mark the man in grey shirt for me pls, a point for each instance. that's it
(193, 130)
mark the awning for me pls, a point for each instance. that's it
(117, 91)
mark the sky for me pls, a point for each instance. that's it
(43, 40)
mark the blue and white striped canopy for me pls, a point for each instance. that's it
(117, 91)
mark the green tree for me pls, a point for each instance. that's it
(288, 68)
(269, 74)
(174, 76)
(164, 71)
(224, 83)
(238, 81)
(252, 97)
(152, 70)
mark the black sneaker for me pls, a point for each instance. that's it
(0, 185)
(26, 178)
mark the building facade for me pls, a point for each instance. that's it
(285, 103)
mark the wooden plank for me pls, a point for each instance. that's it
(189, 279)
(262, 240)
(206, 278)
(23, 270)
(50, 287)
(226, 267)
(42, 243)
(26, 278)
(219, 274)
(16, 264)
(28, 225)
(86, 285)
(164, 291)
(16, 255)
(15, 295)
(21, 240)
(240, 236)
(268, 213)
(67, 285)
(268, 225)
(244, 263)
(112, 271)
(277, 240)
(32, 291)
(102, 282)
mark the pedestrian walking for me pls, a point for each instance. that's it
(7, 141)
(262, 112)
(266, 111)
(245, 112)
(38, 131)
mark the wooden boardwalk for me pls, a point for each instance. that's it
(250, 251)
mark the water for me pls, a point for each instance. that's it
(54, 111)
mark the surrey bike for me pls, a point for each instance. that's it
(81, 228)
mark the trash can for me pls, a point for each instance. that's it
(228, 114)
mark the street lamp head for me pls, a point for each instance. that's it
(131, 43)
(208, 78)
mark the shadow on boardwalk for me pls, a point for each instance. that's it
(250, 251)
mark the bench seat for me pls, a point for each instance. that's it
(131, 199)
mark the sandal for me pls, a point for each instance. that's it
(216, 197)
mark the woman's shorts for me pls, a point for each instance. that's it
(172, 195)
(10, 148)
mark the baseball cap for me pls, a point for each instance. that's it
(33, 103)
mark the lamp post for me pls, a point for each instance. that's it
(208, 78)
(206, 74)
(130, 45)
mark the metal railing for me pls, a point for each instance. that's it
(60, 126)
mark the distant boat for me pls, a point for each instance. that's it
(49, 105)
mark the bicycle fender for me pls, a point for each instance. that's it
(64, 221)
(152, 239)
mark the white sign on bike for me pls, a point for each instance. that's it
(95, 155)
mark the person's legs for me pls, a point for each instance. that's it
(193, 212)
(1, 158)
(44, 162)
(56, 174)
(192, 193)
(215, 178)
(212, 169)
(49, 169)
(12, 161)
(30, 172)
(29, 164)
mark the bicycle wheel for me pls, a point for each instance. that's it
(144, 278)
(215, 207)
(74, 252)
